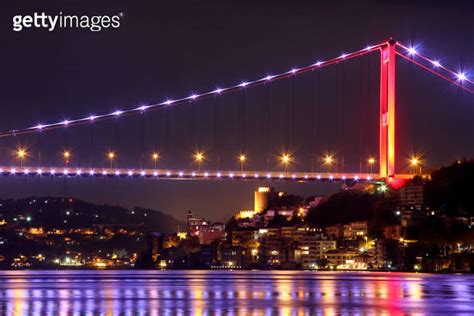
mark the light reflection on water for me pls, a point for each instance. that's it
(232, 293)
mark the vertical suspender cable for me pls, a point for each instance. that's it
(117, 136)
(39, 149)
(288, 120)
(318, 116)
(343, 101)
(166, 130)
(217, 129)
(92, 147)
(266, 110)
(312, 120)
(361, 115)
(242, 127)
(142, 138)
(293, 113)
(337, 110)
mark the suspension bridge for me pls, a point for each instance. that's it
(324, 166)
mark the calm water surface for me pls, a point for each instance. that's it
(233, 293)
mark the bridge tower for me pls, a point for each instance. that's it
(387, 110)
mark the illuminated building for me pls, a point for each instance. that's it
(334, 231)
(411, 195)
(246, 214)
(339, 258)
(355, 229)
(195, 224)
(209, 233)
(205, 231)
(262, 196)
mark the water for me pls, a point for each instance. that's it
(232, 293)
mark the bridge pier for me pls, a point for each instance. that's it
(387, 110)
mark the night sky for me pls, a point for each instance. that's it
(170, 49)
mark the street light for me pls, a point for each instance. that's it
(199, 158)
(111, 156)
(371, 162)
(21, 155)
(155, 156)
(242, 159)
(285, 159)
(66, 156)
(328, 161)
(415, 162)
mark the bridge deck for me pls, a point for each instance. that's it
(192, 174)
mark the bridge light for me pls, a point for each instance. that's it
(118, 113)
(343, 56)
(244, 84)
(269, 77)
(65, 122)
(411, 50)
(461, 76)
(143, 108)
(39, 127)
(436, 63)
(193, 96)
(218, 91)
(169, 102)
(92, 118)
(383, 188)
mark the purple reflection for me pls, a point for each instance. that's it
(232, 292)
